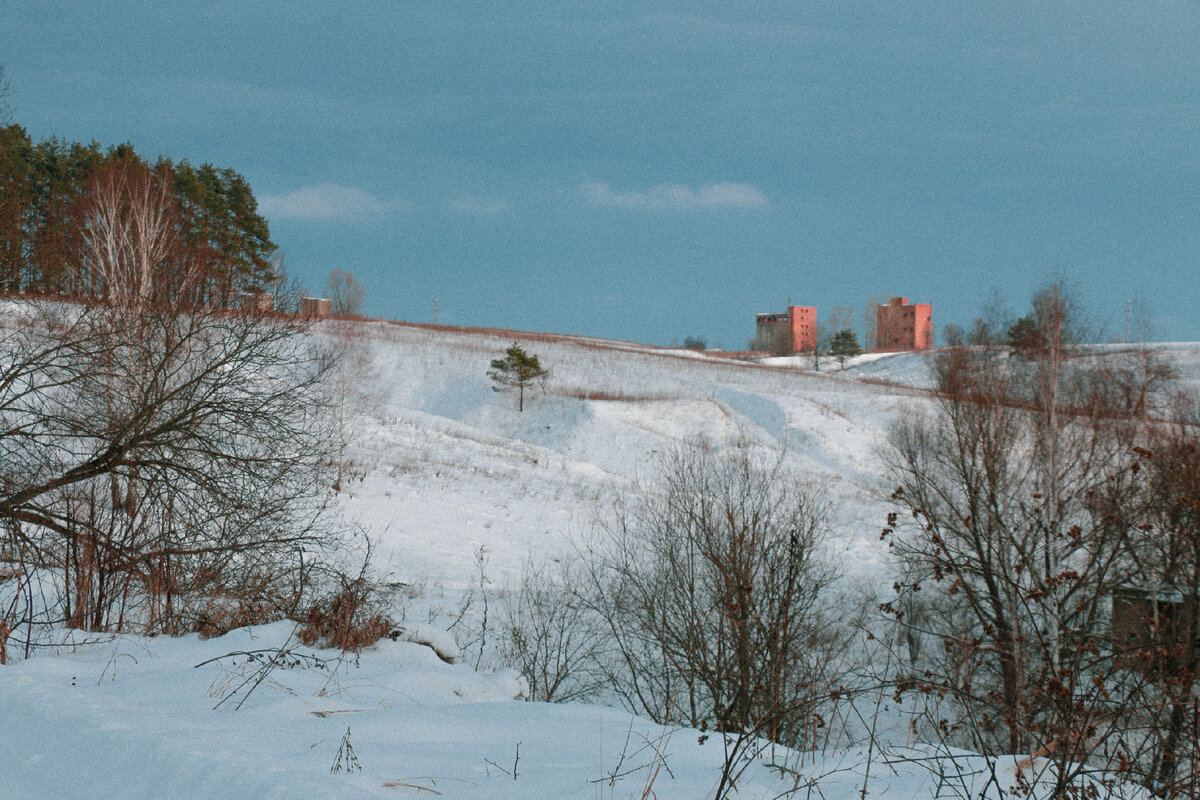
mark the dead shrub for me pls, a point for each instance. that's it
(611, 396)
(710, 583)
(350, 617)
(551, 636)
(223, 614)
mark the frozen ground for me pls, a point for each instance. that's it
(459, 489)
(130, 717)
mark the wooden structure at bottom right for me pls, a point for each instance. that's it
(1151, 630)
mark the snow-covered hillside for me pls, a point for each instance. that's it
(458, 489)
(447, 465)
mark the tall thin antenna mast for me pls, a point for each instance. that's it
(435, 310)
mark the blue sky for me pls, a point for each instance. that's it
(657, 170)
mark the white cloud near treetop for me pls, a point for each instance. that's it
(323, 201)
(677, 197)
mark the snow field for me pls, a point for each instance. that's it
(447, 465)
(458, 489)
(133, 717)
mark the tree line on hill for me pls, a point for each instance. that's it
(74, 215)
(165, 465)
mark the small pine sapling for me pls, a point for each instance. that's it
(516, 370)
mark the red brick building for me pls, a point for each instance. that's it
(901, 325)
(793, 331)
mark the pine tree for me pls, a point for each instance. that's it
(844, 343)
(16, 199)
(517, 369)
(1026, 336)
(46, 192)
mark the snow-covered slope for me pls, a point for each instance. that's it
(446, 465)
(458, 488)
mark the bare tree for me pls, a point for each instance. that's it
(821, 335)
(1161, 639)
(997, 316)
(871, 320)
(158, 457)
(551, 636)
(346, 294)
(841, 318)
(1026, 491)
(349, 386)
(710, 583)
(953, 335)
(132, 246)
(1018, 580)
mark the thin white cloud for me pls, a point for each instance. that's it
(480, 205)
(676, 197)
(324, 201)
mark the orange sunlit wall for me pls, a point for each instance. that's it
(802, 328)
(901, 325)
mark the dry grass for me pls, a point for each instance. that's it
(349, 618)
(615, 397)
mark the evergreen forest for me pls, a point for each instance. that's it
(196, 235)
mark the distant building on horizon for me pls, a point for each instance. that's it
(793, 331)
(901, 325)
(315, 307)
